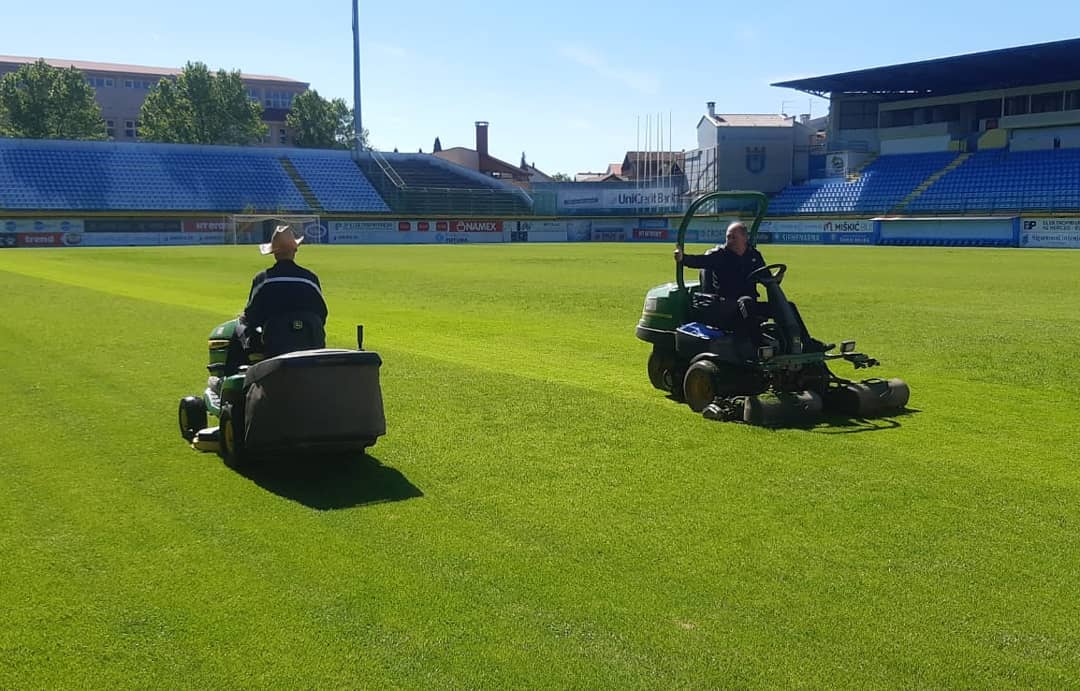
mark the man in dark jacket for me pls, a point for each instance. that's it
(727, 267)
(286, 300)
(727, 276)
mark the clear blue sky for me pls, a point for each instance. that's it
(564, 81)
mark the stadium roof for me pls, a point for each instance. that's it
(749, 120)
(1041, 63)
(109, 67)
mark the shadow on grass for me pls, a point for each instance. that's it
(839, 424)
(329, 482)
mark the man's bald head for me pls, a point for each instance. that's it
(738, 238)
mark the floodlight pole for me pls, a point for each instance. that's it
(358, 125)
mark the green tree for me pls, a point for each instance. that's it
(318, 123)
(38, 101)
(201, 107)
(562, 177)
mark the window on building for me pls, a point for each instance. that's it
(1048, 102)
(946, 113)
(129, 83)
(278, 99)
(1072, 100)
(858, 115)
(990, 108)
(131, 129)
(109, 82)
(110, 128)
(898, 118)
(1016, 105)
(283, 136)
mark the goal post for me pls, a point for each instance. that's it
(252, 229)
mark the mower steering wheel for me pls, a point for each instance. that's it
(765, 274)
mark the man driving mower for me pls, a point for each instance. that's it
(285, 306)
(732, 300)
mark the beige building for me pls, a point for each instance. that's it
(121, 90)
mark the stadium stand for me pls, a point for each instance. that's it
(339, 186)
(417, 184)
(1002, 180)
(880, 187)
(990, 132)
(92, 176)
(984, 182)
(60, 176)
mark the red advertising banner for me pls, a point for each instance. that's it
(39, 240)
(650, 234)
(205, 225)
(476, 226)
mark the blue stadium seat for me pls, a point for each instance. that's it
(336, 181)
(111, 176)
(999, 180)
(882, 185)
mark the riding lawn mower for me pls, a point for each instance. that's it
(769, 375)
(323, 400)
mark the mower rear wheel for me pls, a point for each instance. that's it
(191, 416)
(231, 436)
(699, 385)
(661, 369)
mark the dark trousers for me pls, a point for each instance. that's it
(765, 311)
(725, 314)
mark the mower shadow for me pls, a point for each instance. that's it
(839, 424)
(330, 482)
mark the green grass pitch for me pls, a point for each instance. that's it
(538, 516)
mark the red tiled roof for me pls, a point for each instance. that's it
(87, 66)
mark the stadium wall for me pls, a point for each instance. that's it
(990, 231)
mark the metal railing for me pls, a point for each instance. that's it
(388, 169)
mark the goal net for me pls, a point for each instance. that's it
(252, 229)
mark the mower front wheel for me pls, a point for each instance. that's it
(661, 369)
(699, 385)
(231, 436)
(191, 416)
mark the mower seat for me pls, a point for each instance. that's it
(292, 331)
(695, 338)
(712, 309)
